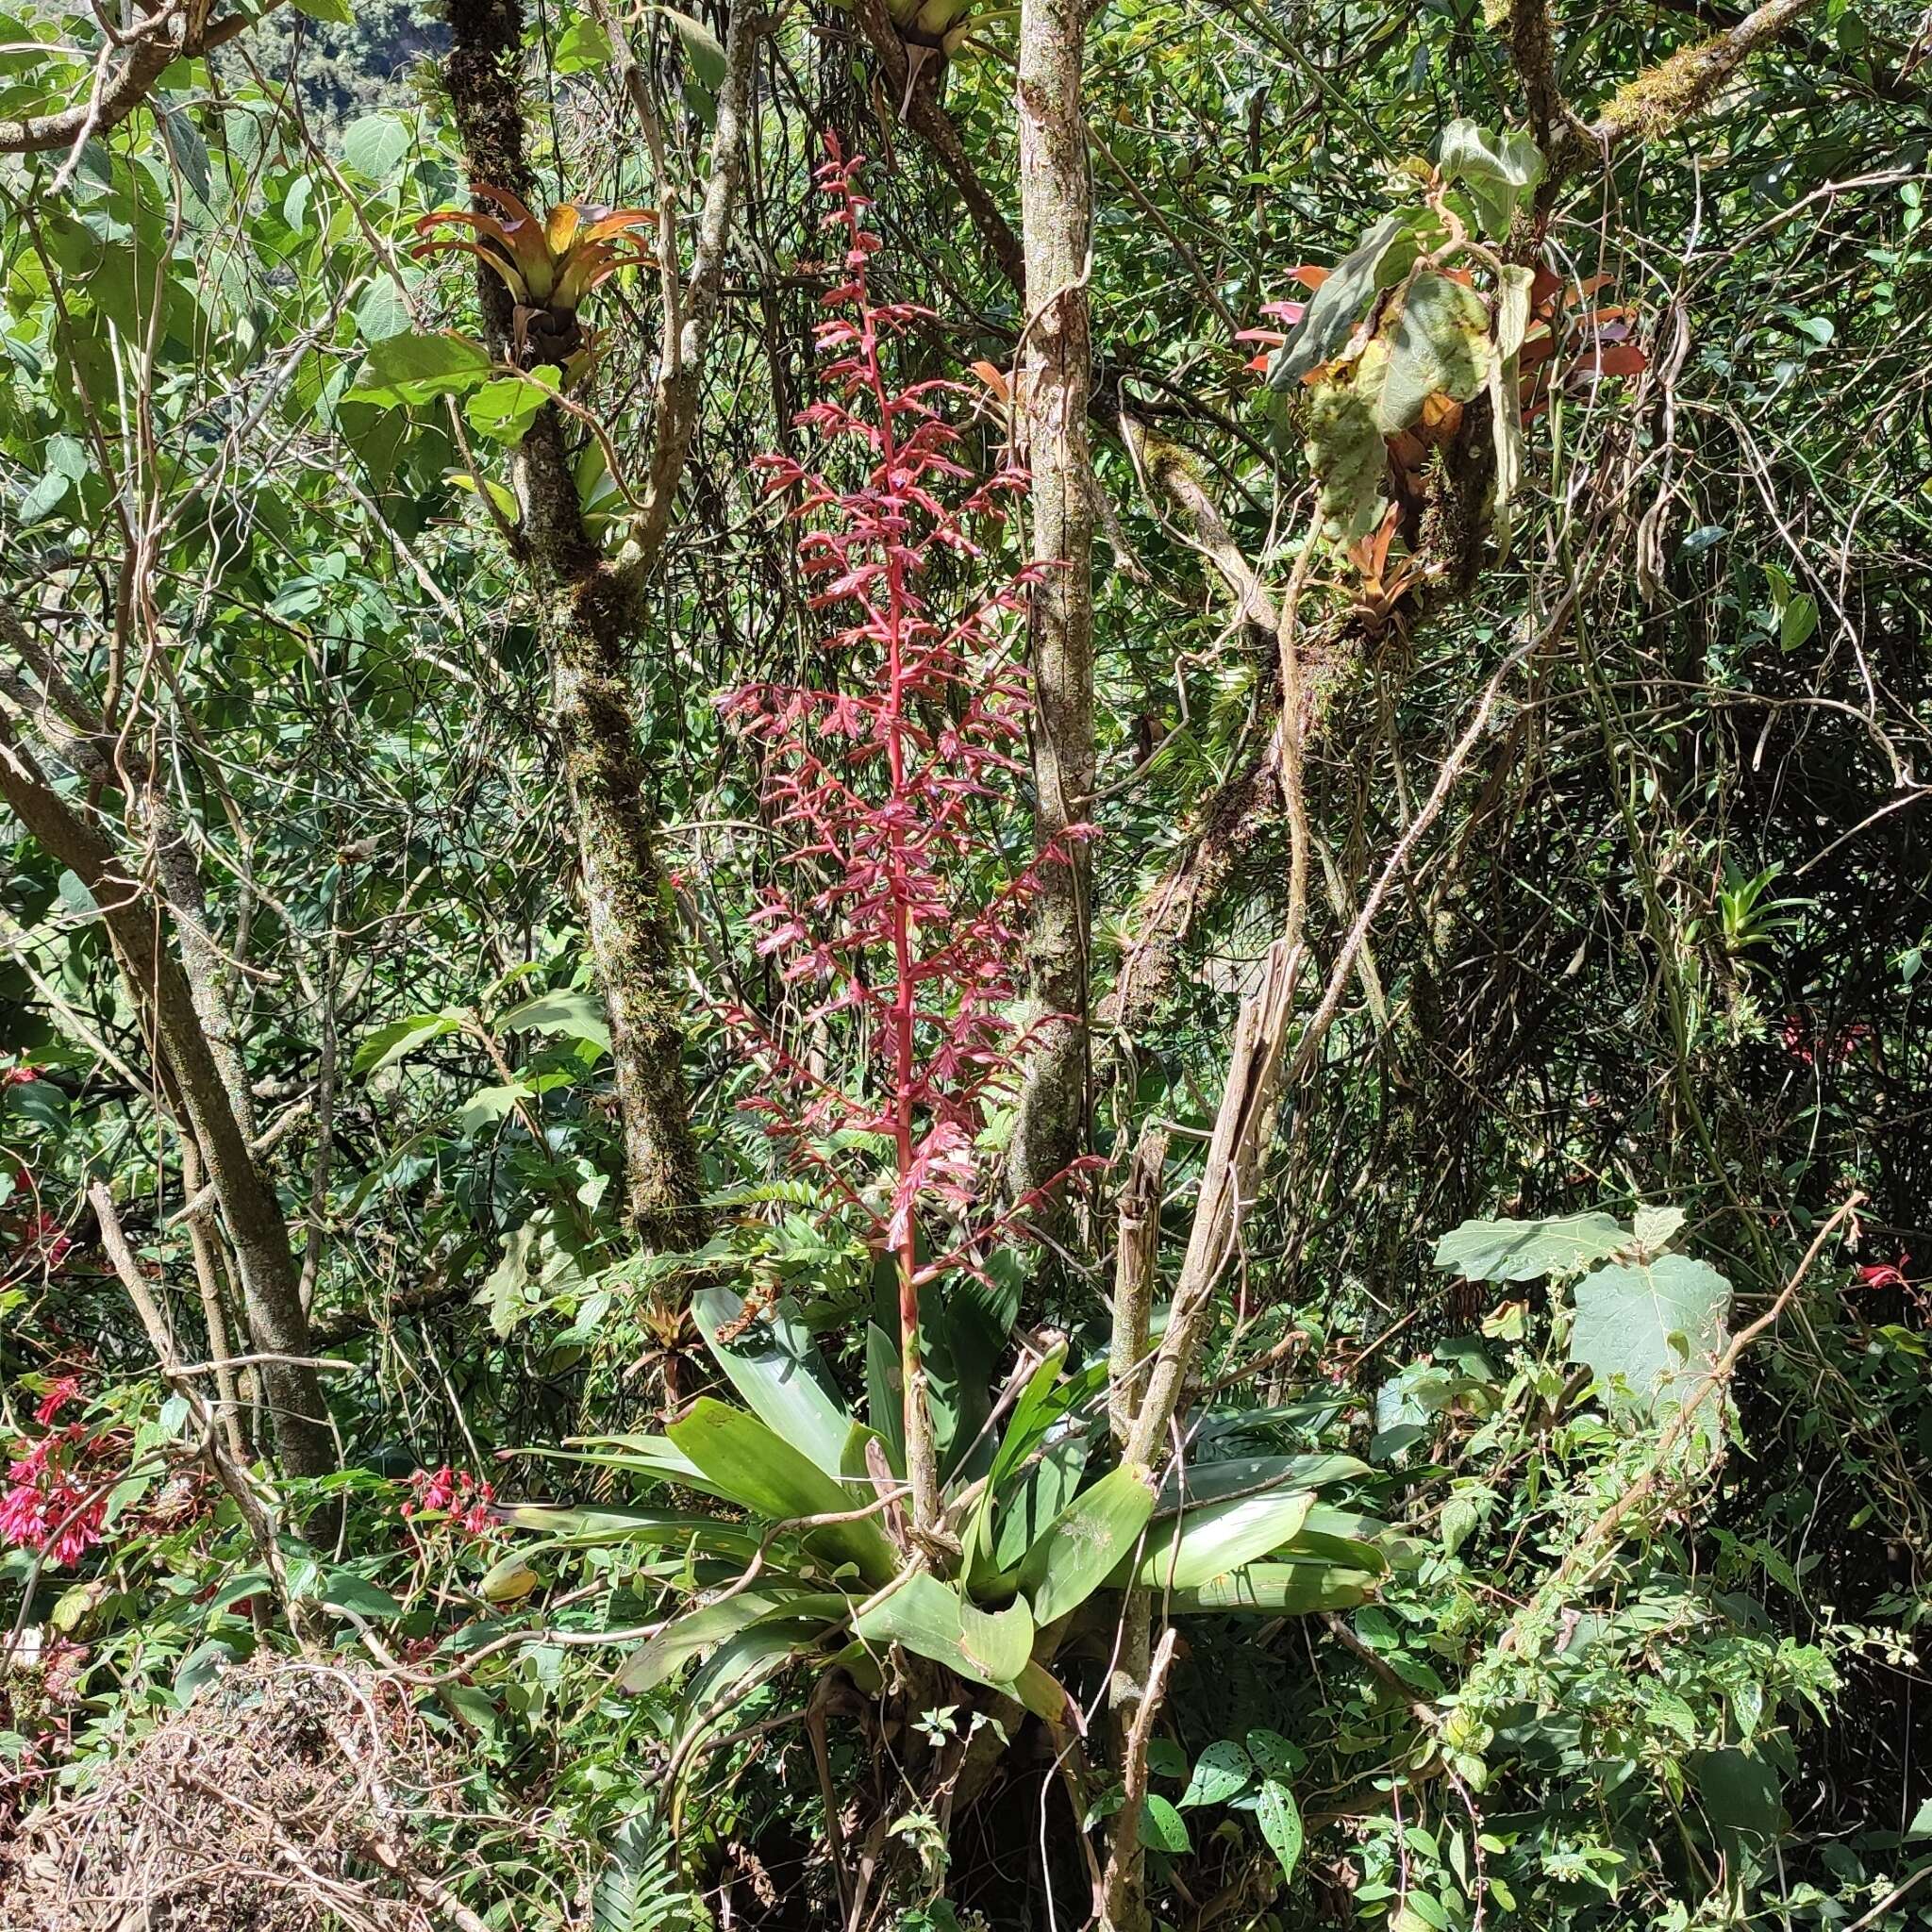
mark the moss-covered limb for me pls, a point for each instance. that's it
(1172, 475)
(588, 619)
(1533, 47)
(1657, 103)
(1676, 89)
(118, 91)
(1244, 809)
(630, 915)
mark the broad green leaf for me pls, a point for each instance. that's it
(488, 1105)
(409, 370)
(1382, 258)
(1653, 1229)
(1494, 169)
(583, 48)
(1345, 449)
(1073, 1555)
(1742, 1804)
(768, 1475)
(389, 1043)
(1658, 1328)
(1280, 1820)
(1526, 1250)
(1275, 1756)
(1438, 344)
(337, 12)
(1293, 1587)
(574, 1014)
(1207, 1543)
(1220, 1773)
(508, 1580)
(504, 409)
(1163, 1826)
(375, 145)
(1797, 622)
(382, 312)
(343, 1590)
(44, 499)
(701, 46)
(998, 1642)
(774, 1365)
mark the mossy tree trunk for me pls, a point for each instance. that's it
(587, 612)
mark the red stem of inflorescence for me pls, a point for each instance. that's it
(893, 916)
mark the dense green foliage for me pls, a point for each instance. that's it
(1545, 1540)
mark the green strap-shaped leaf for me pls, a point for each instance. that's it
(767, 1475)
(1000, 1643)
(698, 1632)
(1293, 1587)
(1073, 1557)
(928, 1618)
(774, 1365)
(1191, 1484)
(1221, 1537)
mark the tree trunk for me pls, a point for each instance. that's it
(1055, 377)
(159, 990)
(584, 612)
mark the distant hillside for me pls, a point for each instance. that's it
(344, 70)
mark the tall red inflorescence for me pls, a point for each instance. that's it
(892, 784)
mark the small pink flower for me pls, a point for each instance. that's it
(44, 1508)
(1885, 1273)
(60, 1392)
(466, 1504)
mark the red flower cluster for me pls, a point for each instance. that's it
(887, 780)
(456, 1495)
(48, 1506)
(1808, 1048)
(906, 912)
(1885, 1273)
(40, 1239)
